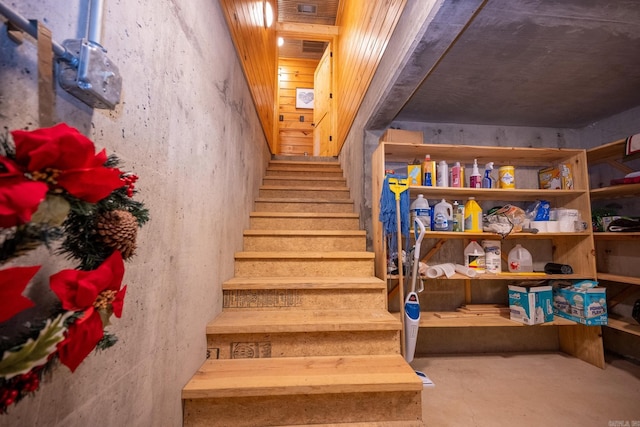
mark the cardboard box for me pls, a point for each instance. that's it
(414, 173)
(581, 301)
(566, 175)
(531, 305)
(550, 178)
(405, 136)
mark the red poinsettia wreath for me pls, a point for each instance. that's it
(54, 187)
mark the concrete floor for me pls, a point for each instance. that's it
(549, 389)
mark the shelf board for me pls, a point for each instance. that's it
(494, 236)
(610, 235)
(607, 152)
(621, 325)
(517, 156)
(429, 320)
(514, 194)
(504, 276)
(620, 279)
(615, 191)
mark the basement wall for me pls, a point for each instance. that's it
(187, 126)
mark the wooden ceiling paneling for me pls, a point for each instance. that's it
(326, 11)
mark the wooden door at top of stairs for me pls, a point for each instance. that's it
(323, 142)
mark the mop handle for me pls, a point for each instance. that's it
(416, 252)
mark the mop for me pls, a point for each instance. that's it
(397, 186)
(412, 304)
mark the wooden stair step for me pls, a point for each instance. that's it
(305, 163)
(304, 220)
(294, 181)
(303, 391)
(304, 293)
(405, 423)
(279, 204)
(304, 240)
(278, 321)
(304, 375)
(306, 191)
(304, 283)
(296, 333)
(283, 263)
(303, 172)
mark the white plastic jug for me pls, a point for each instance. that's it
(420, 208)
(520, 260)
(443, 216)
(474, 257)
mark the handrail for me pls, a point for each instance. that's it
(31, 28)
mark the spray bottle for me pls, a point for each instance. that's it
(475, 179)
(487, 182)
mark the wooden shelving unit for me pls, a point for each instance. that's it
(575, 249)
(613, 154)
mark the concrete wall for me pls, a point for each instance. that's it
(187, 126)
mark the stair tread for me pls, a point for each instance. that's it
(304, 283)
(304, 215)
(305, 163)
(307, 178)
(302, 187)
(301, 200)
(301, 375)
(329, 233)
(304, 255)
(404, 423)
(274, 321)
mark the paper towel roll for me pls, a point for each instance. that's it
(469, 272)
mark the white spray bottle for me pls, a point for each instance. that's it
(487, 182)
(475, 179)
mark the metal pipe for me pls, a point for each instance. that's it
(31, 29)
(96, 9)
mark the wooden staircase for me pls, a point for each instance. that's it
(304, 337)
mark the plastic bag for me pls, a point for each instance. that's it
(505, 220)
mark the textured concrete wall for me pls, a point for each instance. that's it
(187, 126)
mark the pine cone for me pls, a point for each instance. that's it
(118, 230)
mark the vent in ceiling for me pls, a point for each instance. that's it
(309, 46)
(307, 9)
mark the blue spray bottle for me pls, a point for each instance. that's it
(487, 182)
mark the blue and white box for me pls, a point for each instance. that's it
(581, 301)
(531, 305)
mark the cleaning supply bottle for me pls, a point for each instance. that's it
(475, 179)
(420, 209)
(520, 260)
(487, 182)
(474, 257)
(442, 180)
(458, 216)
(428, 172)
(472, 216)
(456, 175)
(442, 216)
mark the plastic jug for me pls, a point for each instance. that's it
(442, 178)
(442, 216)
(472, 216)
(520, 260)
(458, 216)
(420, 208)
(474, 257)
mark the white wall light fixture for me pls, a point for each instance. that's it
(268, 14)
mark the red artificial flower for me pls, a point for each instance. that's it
(65, 158)
(13, 281)
(88, 291)
(19, 197)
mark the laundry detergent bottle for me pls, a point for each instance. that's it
(472, 216)
(443, 216)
